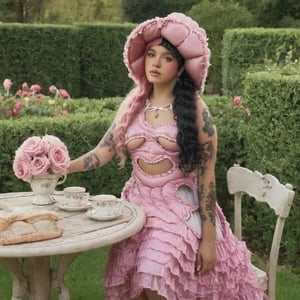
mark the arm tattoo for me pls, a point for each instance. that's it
(207, 200)
(91, 161)
(206, 152)
(208, 123)
(107, 140)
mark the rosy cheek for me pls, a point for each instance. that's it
(172, 68)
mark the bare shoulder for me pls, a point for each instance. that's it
(200, 104)
(125, 104)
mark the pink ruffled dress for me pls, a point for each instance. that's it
(162, 255)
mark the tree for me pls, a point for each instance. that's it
(275, 13)
(28, 11)
(215, 17)
(140, 10)
(22, 11)
(7, 11)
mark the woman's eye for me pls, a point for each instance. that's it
(168, 58)
(150, 54)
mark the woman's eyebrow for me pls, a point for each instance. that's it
(167, 52)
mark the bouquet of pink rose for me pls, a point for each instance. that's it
(41, 156)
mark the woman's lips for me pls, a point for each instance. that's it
(154, 73)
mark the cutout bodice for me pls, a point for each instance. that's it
(152, 144)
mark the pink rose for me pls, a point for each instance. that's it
(64, 112)
(40, 96)
(19, 93)
(237, 100)
(40, 156)
(64, 94)
(57, 153)
(26, 94)
(35, 88)
(33, 146)
(18, 105)
(25, 86)
(52, 89)
(59, 158)
(22, 167)
(40, 165)
(247, 111)
(15, 112)
(7, 84)
(49, 140)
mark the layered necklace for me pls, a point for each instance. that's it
(157, 109)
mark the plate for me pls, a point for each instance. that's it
(103, 197)
(67, 207)
(90, 213)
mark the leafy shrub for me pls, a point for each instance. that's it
(30, 101)
(248, 50)
(272, 144)
(138, 11)
(215, 17)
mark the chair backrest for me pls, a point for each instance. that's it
(263, 188)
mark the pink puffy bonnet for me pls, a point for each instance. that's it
(182, 32)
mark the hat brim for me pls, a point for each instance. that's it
(182, 32)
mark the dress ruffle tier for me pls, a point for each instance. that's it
(162, 256)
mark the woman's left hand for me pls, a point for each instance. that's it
(206, 258)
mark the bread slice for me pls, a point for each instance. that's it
(28, 226)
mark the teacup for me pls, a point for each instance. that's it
(105, 205)
(75, 196)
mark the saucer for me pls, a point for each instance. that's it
(91, 213)
(67, 207)
(103, 197)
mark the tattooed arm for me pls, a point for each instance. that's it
(207, 188)
(97, 157)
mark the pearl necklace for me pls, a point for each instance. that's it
(157, 109)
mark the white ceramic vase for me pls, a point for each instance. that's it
(43, 187)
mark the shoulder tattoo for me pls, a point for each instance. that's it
(208, 122)
(107, 140)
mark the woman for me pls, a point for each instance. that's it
(186, 249)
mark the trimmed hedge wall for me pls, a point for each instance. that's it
(103, 73)
(272, 145)
(245, 49)
(41, 54)
(86, 60)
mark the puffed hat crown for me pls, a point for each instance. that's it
(182, 32)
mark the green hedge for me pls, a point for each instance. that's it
(272, 145)
(41, 54)
(245, 49)
(103, 73)
(87, 60)
(80, 132)
(84, 59)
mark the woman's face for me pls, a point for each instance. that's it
(161, 67)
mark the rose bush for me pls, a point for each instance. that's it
(237, 104)
(41, 156)
(30, 101)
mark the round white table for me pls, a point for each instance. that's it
(50, 259)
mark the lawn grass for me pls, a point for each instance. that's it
(85, 276)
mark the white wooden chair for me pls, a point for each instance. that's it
(263, 188)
